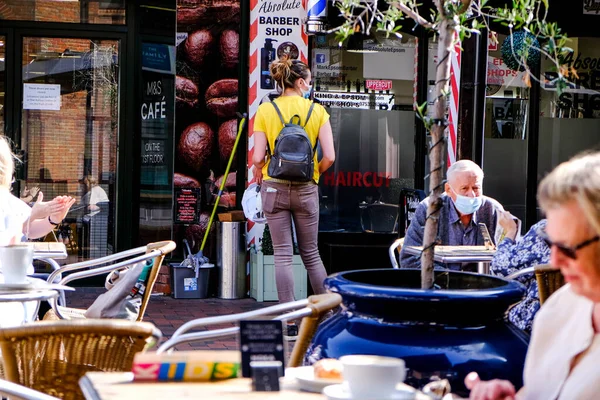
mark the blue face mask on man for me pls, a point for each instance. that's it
(467, 205)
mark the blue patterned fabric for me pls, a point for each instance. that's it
(529, 251)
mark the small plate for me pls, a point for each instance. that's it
(17, 286)
(341, 392)
(307, 381)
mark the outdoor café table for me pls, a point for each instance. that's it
(460, 254)
(13, 303)
(120, 385)
(49, 252)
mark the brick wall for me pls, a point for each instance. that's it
(59, 11)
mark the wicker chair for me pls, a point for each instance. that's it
(549, 280)
(51, 356)
(311, 310)
(104, 265)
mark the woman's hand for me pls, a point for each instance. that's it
(495, 389)
(60, 213)
(508, 223)
(257, 174)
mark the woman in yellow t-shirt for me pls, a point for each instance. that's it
(283, 200)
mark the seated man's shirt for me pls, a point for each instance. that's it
(451, 231)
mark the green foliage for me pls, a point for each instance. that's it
(267, 243)
(467, 17)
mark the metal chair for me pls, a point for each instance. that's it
(51, 356)
(21, 392)
(395, 248)
(104, 265)
(311, 311)
(548, 278)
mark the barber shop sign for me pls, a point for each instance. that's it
(591, 7)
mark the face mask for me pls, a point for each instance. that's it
(306, 94)
(467, 205)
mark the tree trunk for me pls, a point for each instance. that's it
(437, 153)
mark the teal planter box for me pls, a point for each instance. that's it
(262, 277)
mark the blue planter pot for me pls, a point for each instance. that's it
(448, 332)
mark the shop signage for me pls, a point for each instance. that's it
(498, 73)
(158, 58)
(356, 179)
(492, 41)
(39, 96)
(378, 85)
(591, 7)
(187, 205)
(260, 341)
(364, 101)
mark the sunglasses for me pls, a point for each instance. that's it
(567, 251)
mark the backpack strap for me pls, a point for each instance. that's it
(310, 110)
(279, 112)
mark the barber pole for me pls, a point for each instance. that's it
(316, 21)
(455, 61)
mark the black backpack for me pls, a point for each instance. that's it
(293, 155)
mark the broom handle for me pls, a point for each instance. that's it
(214, 210)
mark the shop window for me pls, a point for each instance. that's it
(110, 12)
(369, 96)
(570, 123)
(506, 130)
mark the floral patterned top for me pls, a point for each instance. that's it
(512, 256)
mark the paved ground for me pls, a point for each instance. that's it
(168, 313)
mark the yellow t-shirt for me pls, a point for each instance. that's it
(268, 121)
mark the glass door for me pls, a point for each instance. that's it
(69, 135)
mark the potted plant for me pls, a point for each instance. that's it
(441, 323)
(262, 271)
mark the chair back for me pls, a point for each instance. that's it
(51, 356)
(155, 251)
(409, 200)
(164, 248)
(549, 280)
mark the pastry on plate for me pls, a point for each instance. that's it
(328, 368)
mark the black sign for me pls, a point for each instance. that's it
(187, 205)
(260, 341)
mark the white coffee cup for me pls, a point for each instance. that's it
(15, 261)
(372, 377)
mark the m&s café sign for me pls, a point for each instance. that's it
(591, 7)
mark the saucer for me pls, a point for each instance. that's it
(27, 284)
(305, 376)
(341, 392)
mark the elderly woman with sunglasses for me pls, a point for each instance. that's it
(562, 360)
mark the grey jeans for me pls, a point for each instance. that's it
(282, 202)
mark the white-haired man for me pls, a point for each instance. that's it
(464, 206)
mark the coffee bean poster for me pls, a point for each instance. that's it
(208, 53)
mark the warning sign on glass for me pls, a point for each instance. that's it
(187, 205)
(378, 84)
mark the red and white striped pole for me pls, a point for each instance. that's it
(455, 60)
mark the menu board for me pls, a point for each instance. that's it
(187, 205)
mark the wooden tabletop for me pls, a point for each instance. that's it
(119, 385)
